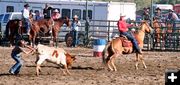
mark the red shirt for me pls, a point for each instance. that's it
(122, 26)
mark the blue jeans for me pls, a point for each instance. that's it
(15, 69)
(132, 39)
(75, 38)
(27, 25)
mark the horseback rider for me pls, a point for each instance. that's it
(56, 14)
(26, 18)
(173, 18)
(123, 29)
(158, 16)
(47, 11)
(146, 14)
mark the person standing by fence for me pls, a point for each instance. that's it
(75, 26)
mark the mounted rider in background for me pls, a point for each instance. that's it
(26, 18)
(47, 11)
(158, 16)
(172, 18)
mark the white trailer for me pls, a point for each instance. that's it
(96, 11)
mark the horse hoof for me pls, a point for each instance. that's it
(110, 69)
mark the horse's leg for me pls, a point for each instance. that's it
(137, 60)
(33, 38)
(108, 63)
(142, 60)
(55, 38)
(112, 61)
(54, 42)
(11, 39)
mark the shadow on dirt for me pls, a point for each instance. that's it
(82, 68)
(5, 74)
(72, 68)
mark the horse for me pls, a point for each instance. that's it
(56, 28)
(44, 26)
(13, 28)
(157, 26)
(121, 45)
(159, 33)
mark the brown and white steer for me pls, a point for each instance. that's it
(55, 55)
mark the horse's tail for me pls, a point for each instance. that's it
(104, 58)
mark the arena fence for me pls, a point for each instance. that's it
(107, 29)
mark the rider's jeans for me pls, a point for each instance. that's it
(132, 39)
(15, 69)
(27, 24)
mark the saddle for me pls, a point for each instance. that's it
(125, 41)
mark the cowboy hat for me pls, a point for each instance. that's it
(158, 8)
(75, 16)
(26, 5)
(171, 10)
(122, 15)
(55, 10)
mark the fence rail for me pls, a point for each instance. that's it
(108, 30)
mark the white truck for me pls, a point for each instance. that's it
(4, 18)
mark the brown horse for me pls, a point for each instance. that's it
(117, 47)
(13, 30)
(44, 26)
(157, 28)
(161, 34)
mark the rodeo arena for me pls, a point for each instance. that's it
(69, 42)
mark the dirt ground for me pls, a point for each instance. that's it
(89, 70)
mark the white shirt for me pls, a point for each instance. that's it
(76, 27)
(174, 15)
(25, 13)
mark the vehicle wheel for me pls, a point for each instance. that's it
(69, 40)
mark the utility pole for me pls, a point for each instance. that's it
(87, 25)
(151, 13)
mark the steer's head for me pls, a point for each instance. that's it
(69, 59)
